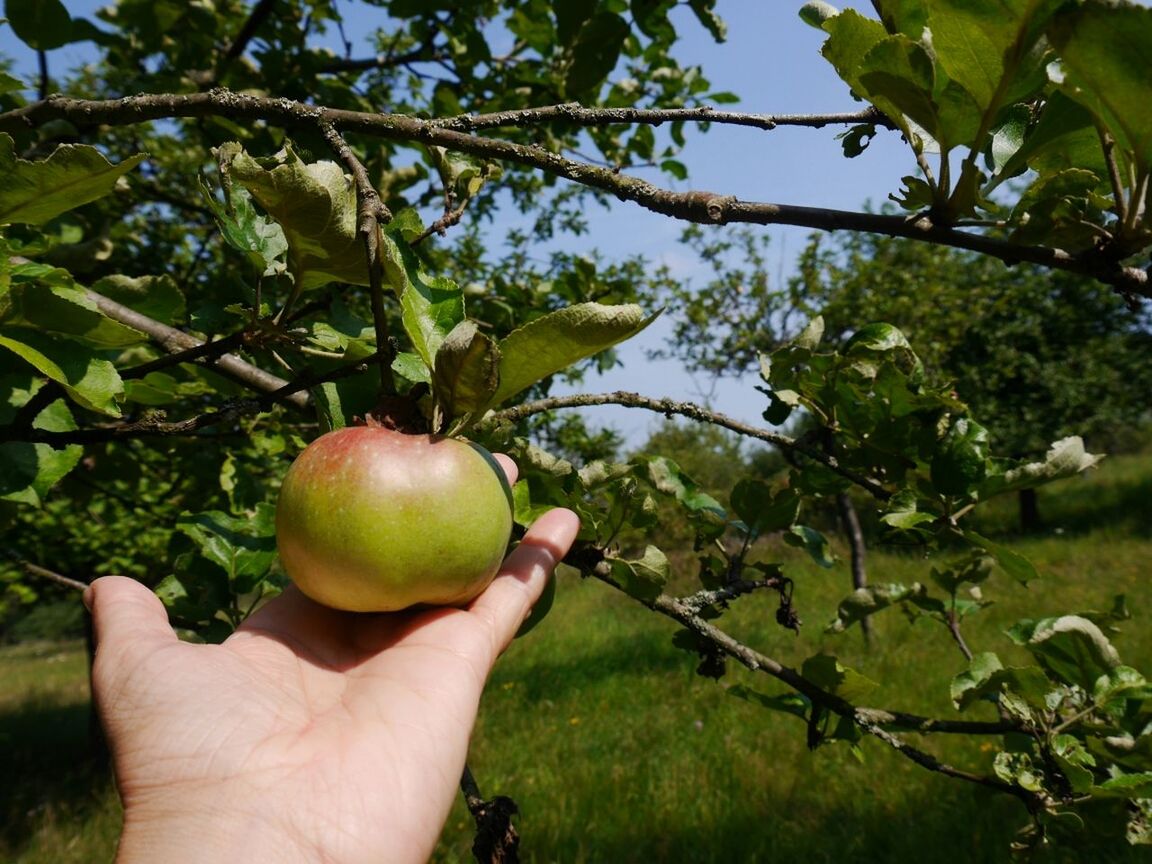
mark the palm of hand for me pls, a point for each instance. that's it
(345, 734)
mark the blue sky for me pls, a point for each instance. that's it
(771, 60)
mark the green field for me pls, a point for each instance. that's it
(616, 751)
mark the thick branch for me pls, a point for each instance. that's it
(693, 206)
(669, 407)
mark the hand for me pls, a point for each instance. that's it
(309, 734)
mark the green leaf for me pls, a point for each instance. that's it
(1075, 762)
(706, 15)
(762, 510)
(1014, 564)
(989, 47)
(41, 24)
(986, 677)
(1064, 136)
(1017, 768)
(431, 306)
(411, 367)
(595, 52)
(1103, 52)
(973, 569)
(786, 703)
(667, 477)
(29, 471)
(464, 175)
(92, 381)
(1065, 458)
(874, 598)
(642, 578)
(812, 542)
(828, 673)
(571, 16)
(961, 458)
(898, 77)
(810, 336)
(315, 204)
(675, 168)
(243, 546)
(1126, 786)
(260, 238)
(559, 339)
(1123, 682)
(10, 83)
(466, 374)
(1070, 647)
(903, 513)
(158, 297)
(62, 308)
(72, 175)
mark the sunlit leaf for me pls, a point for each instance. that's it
(72, 175)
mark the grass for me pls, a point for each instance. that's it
(615, 750)
(56, 802)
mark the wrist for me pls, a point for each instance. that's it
(188, 830)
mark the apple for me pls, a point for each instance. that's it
(370, 519)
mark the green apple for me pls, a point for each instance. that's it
(374, 520)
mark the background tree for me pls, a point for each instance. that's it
(1049, 354)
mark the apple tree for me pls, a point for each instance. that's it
(229, 233)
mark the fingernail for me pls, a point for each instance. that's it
(87, 598)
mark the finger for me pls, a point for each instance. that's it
(509, 467)
(509, 599)
(126, 612)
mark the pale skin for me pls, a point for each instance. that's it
(309, 735)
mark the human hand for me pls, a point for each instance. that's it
(309, 734)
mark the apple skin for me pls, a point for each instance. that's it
(374, 520)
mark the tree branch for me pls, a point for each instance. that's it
(875, 722)
(574, 113)
(50, 575)
(177, 341)
(669, 407)
(257, 17)
(693, 206)
(371, 211)
(156, 425)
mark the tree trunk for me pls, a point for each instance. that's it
(1029, 511)
(855, 538)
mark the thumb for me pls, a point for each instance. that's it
(126, 613)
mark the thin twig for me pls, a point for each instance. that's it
(42, 61)
(1120, 205)
(51, 575)
(668, 407)
(259, 14)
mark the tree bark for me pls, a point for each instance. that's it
(1030, 521)
(855, 537)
